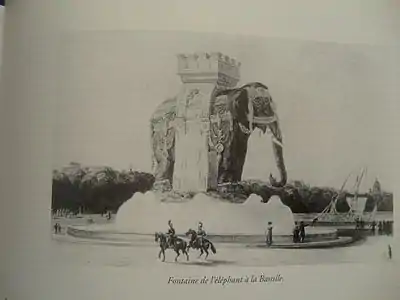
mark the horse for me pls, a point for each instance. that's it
(195, 243)
(178, 245)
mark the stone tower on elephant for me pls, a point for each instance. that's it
(232, 115)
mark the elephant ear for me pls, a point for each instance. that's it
(240, 106)
(273, 106)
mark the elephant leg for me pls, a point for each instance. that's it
(164, 163)
(240, 151)
(159, 157)
(160, 169)
(169, 171)
(227, 171)
(234, 156)
(224, 168)
(162, 131)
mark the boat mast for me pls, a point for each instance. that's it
(330, 210)
(354, 202)
(332, 205)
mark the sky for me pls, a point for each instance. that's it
(335, 101)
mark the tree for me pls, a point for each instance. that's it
(96, 189)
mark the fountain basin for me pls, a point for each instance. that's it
(108, 232)
(226, 223)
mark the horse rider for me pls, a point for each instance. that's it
(201, 233)
(171, 233)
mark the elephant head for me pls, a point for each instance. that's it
(254, 108)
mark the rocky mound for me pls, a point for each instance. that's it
(146, 213)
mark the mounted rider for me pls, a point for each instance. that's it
(201, 234)
(171, 233)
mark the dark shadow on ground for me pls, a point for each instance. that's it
(204, 263)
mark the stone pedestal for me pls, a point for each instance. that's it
(195, 168)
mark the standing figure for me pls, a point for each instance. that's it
(269, 234)
(357, 221)
(201, 233)
(296, 231)
(57, 228)
(362, 223)
(373, 225)
(302, 231)
(390, 252)
(384, 227)
(171, 233)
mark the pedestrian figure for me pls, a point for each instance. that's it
(296, 233)
(390, 252)
(269, 234)
(380, 227)
(302, 232)
(362, 223)
(57, 228)
(384, 227)
(358, 223)
(391, 228)
(373, 225)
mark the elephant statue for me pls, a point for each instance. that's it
(234, 114)
(163, 141)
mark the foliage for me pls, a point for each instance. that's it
(301, 197)
(317, 198)
(314, 198)
(385, 202)
(95, 190)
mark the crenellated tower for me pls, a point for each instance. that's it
(213, 68)
(195, 168)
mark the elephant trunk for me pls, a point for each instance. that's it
(278, 152)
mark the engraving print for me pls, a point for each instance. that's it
(211, 150)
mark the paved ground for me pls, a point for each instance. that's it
(81, 252)
(81, 270)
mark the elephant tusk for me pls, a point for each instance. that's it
(250, 116)
(275, 141)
